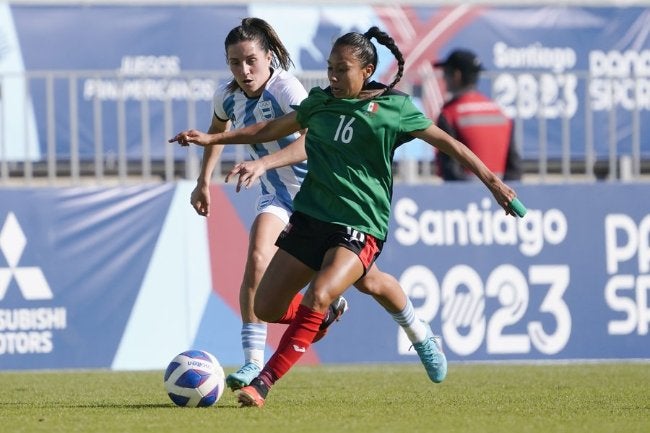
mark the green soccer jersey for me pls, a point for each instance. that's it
(350, 146)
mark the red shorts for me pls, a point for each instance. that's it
(308, 239)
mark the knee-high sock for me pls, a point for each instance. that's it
(253, 341)
(295, 341)
(415, 330)
(290, 314)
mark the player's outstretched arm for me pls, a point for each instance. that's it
(502, 193)
(257, 133)
(250, 171)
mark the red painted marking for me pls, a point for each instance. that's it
(228, 243)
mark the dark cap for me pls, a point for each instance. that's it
(463, 60)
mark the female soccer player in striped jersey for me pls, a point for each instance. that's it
(261, 90)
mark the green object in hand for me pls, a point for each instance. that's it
(518, 207)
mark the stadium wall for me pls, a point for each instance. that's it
(126, 277)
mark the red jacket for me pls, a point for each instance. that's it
(478, 122)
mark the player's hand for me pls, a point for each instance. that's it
(191, 136)
(248, 171)
(503, 194)
(200, 199)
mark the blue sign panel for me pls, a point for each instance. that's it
(568, 281)
(127, 277)
(71, 266)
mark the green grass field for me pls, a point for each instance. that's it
(375, 398)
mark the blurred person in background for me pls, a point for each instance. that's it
(475, 120)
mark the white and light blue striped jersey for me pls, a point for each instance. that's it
(281, 92)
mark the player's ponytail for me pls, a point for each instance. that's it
(258, 30)
(385, 39)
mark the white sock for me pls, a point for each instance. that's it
(416, 330)
(253, 341)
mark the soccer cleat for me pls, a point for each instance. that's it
(432, 356)
(336, 310)
(253, 394)
(243, 376)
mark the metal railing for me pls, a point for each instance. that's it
(69, 127)
(98, 126)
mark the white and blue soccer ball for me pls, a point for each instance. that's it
(194, 378)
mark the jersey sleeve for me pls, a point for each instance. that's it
(315, 99)
(217, 103)
(291, 93)
(412, 119)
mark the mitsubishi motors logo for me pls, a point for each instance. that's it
(28, 330)
(30, 279)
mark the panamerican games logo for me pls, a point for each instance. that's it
(25, 330)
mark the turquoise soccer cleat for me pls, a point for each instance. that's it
(243, 376)
(432, 356)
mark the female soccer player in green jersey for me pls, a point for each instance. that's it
(259, 63)
(341, 212)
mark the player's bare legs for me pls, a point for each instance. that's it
(384, 288)
(263, 234)
(285, 276)
(261, 248)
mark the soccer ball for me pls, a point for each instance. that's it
(194, 378)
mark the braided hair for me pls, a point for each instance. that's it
(366, 52)
(258, 30)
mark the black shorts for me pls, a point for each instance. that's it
(308, 239)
